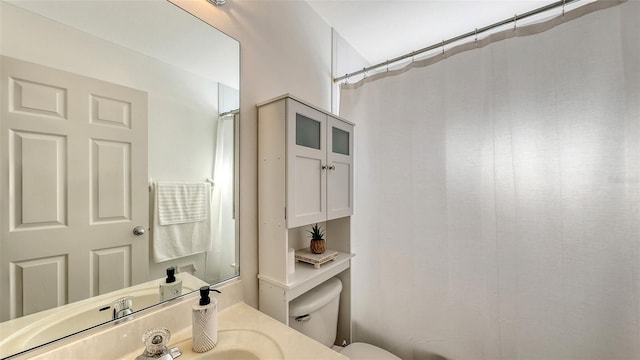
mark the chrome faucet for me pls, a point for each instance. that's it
(122, 307)
(155, 343)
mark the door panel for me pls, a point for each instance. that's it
(110, 112)
(75, 151)
(339, 183)
(38, 99)
(37, 166)
(340, 169)
(306, 165)
(110, 181)
(110, 269)
(308, 187)
(32, 278)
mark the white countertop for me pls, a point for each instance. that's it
(40, 328)
(240, 327)
(293, 344)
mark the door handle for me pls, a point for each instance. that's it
(138, 230)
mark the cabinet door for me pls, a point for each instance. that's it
(306, 165)
(340, 169)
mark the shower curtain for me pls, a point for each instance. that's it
(221, 260)
(497, 198)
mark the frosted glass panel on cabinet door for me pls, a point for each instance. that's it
(340, 141)
(307, 132)
(340, 169)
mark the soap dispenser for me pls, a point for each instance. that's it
(171, 287)
(205, 322)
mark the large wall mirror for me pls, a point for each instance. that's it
(118, 158)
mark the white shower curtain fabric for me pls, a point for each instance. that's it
(222, 256)
(497, 198)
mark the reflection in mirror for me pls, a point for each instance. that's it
(103, 103)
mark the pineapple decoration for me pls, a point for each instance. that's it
(318, 244)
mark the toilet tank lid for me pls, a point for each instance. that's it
(315, 298)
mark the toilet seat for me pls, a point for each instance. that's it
(364, 351)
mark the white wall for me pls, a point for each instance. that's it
(285, 48)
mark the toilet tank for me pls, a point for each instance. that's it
(315, 313)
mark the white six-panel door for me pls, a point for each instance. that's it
(73, 186)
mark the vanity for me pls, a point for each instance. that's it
(244, 333)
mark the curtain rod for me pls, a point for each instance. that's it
(443, 43)
(230, 112)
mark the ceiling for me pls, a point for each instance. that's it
(381, 30)
(152, 28)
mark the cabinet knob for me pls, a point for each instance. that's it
(332, 167)
(324, 167)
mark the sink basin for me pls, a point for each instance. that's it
(231, 354)
(236, 344)
(39, 328)
(80, 319)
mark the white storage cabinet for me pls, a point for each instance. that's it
(319, 165)
(305, 176)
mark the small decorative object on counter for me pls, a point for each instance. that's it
(205, 322)
(316, 260)
(318, 244)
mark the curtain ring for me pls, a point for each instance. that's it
(442, 47)
(563, 3)
(476, 39)
(387, 65)
(364, 73)
(515, 21)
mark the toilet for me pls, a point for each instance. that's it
(315, 314)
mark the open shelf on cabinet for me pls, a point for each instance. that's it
(307, 277)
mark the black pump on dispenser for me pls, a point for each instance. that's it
(204, 295)
(171, 275)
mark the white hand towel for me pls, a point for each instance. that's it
(181, 220)
(180, 203)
